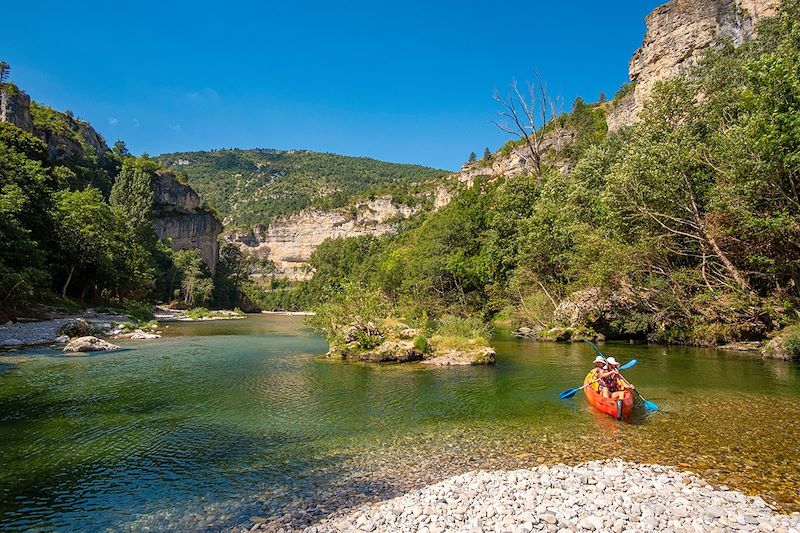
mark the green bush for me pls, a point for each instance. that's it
(792, 344)
(367, 341)
(421, 344)
(198, 312)
(467, 327)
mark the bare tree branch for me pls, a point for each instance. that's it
(529, 114)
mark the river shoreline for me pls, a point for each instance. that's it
(594, 496)
(45, 332)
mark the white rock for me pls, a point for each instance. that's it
(88, 344)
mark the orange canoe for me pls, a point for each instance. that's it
(607, 405)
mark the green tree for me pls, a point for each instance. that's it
(132, 193)
(196, 284)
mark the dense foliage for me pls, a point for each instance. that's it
(686, 225)
(76, 222)
(249, 187)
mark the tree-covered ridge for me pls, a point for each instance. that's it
(249, 187)
(77, 225)
(684, 227)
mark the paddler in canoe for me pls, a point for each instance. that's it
(607, 390)
(610, 393)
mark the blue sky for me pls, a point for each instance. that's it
(400, 81)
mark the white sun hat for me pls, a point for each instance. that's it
(612, 361)
(599, 359)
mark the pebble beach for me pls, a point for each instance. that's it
(612, 496)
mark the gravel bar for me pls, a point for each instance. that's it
(614, 496)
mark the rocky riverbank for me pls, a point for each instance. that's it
(594, 496)
(166, 314)
(45, 332)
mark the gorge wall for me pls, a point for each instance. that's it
(290, 241)
(180, 219)
(678, 34)
(15, 108)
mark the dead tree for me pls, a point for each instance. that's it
(527, 116)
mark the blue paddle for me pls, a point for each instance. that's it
(571, 392)
(647, 403)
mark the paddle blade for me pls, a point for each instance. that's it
(650, 405)
(629, 364)
(568, 394)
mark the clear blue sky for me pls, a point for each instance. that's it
(401, 81)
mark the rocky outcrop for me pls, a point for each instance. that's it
(180, 219)
(290, 241)
(82, 139)
(66, 136)
(678, 34)
(622, 112)
(785, 344)
(516, 161)
(390, 341)
(80, 327)
(465, 356)
(89, 344)
(15, 107)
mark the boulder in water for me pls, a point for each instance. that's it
(89, 344)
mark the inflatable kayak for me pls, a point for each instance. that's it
(618, 409)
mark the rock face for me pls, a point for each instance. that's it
(15, 108)
(784, 345)
(64, 148)
(180, 218)
(678, 34)
(290, 241)
(479, 355)
(516, 161)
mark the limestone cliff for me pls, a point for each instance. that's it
(73, 139)
(66, 137)
(290, 241)
(180, 218)
(678, 34)
(15, 108)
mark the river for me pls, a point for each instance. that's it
(218, 422)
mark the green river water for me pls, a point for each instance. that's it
(220, 421)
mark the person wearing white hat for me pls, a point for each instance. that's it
(612, 384)
(599, 367)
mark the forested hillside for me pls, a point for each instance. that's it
(249, 187)
(684, 227)
(77, 221)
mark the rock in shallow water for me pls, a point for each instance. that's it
(89, 344)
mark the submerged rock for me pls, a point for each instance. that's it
(142, 335)
(89, 344)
